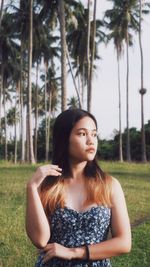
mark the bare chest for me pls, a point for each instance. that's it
(75, 197)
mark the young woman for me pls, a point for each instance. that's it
(72, 203)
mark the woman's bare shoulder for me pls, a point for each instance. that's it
(116, 188)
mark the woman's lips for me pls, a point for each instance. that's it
(90, 150)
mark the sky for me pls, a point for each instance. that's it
(105, 90)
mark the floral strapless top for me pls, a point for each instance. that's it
(73, 229)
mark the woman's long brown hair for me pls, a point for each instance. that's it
(98, 183)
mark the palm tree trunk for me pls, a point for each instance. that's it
(61, 12)
(120, 129)
(5, 123)
(74, 81)
(92, 57)
(36, 114)
(16, 105)
(27, 141)
(22, 136)
(45, 98)
(142, 90)
(79, 80)
(127, 103)
(1, 12)
(48, 124)
(29, 111)
(1, 90)
(82, 81)
(88, 57)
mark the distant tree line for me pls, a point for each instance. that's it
(107, 149)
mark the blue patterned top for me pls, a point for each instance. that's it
(74, 229)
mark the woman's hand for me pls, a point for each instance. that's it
(56, 250)
(42, 172)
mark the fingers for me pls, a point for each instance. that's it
(55, 167)
(42, 172)
(49, 252)
(50, 169)
(55, 250)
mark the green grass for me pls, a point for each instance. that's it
(140, 254)
(15, 248)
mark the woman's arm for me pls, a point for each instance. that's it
(37, 225)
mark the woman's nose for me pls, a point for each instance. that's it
(90, 139)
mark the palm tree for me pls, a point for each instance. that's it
(115, 35)
(92, 58)
(88, 55)
(73, 103)
(52, 89)
(29, 105)
(76, 41)
(1, 11)
(126, 19)
(21, 25)
(5, 116)
(45, 49)
(74, 80)
(8, 57)
(51, 12)
(114, 25)
(77, 46)
(12, 120)
(51, 85)
(131, 12)
(14, 114)
(142, 90)
(1, 82)
(61, 13)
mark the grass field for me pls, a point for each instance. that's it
(17, 251)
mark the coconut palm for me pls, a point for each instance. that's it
(124, 15)
(52, 12)
(44, 48)
(37, 110)
(88, 55)
(73, 102)
(29, 94)
(51, 99)
(115, 34)
(89, 104)
(1, 11)
(21, 26)
(61, 12)
(8, 58)
(142, 90)
(15, 90)
(74, 80)
(77, 46)
(12, 120)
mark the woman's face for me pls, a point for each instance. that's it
(83, 140)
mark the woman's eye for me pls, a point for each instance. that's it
(82, 134)
(95, 135)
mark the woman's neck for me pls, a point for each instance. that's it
(77, 170)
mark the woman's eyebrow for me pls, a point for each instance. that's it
(86, 129)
